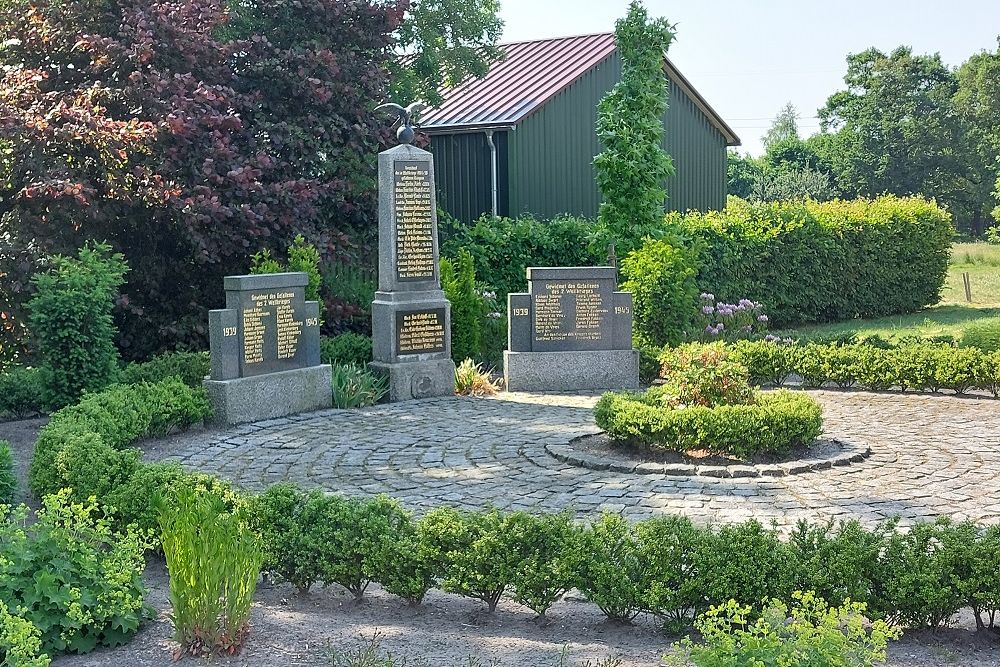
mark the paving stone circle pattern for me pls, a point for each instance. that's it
(931, 455)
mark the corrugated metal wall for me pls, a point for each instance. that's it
(548, 159)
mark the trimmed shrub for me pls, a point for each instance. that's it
(458, 280)
(22, 392)
(478, 552)
(20, 642)
(614, 575)
(357, 387)
(503, 248)
(776, 422)
(767, 362)
(71, 324)
(407, 563)
(8, 481)
(550, 549)
(810, 261)
(669, 545)
(347, 348)
(71, 577)
(213, 561)
(661, 277)
(981, 585)
(276, 515)
(808, 633)
(190, 367)
(984, 334)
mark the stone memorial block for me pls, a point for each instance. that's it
(411, 318)
(265, 350)
(572, 330)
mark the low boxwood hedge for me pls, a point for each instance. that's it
(776, 422)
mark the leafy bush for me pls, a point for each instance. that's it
(984, 334)
(503, 248)
(276, 515)
(810, 633)
(774, 423)
(22, 392)
(981, 585)
(669, 545)
(302, 258)
(841, 562)
(479, 552)
(822, 261)
(407, 563)
(458, 280)
(768, 362)
(472, 380)
(72, 325)
(728, 321)
(213, 561)
(190, 367)
(20, 642)
(550, 550)
(357, 387)
(8, 481)
(71, 577)
(347, 348)
(613, 576)
(702, 375)
(661, 277)
(116, 418)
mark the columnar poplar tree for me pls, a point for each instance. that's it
(633, 167)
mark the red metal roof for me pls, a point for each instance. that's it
(532, 73)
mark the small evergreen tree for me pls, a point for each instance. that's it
(458, 280)
(633, 167)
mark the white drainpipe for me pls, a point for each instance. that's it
(493, 168)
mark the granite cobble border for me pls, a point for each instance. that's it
(854, 451)
(931, 455)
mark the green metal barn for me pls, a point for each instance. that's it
(522, 139)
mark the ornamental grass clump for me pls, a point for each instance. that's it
(213, 560)
(472, 380)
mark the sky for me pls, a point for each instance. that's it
(749, 58)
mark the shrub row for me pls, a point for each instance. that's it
(910, 366)
(773, 423)
(822, 261)
(664, 566)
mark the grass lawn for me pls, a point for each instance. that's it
(980, 260)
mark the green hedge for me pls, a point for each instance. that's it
(823, 261)
(910, 366)
(774, 423)
(502, 248)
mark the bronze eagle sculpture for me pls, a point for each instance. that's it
(406, 115)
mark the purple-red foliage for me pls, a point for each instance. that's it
(187, 138)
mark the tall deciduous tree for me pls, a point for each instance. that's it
(633, 167)
(784, 127)
(896, 130)
(978, 102)
(442, 42)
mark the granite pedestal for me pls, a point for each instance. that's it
(270, 396)
(581, 370)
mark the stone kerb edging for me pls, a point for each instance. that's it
(845, 454)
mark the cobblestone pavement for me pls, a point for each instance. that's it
(931, 455)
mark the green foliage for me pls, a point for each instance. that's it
(458, 280)
(22, 392)
(981, 585)
(839, 562)
(649, 362)
(20, 642)
(347, 348)
(71, 577)
(479, 551)
(815, 262)
(503, 248)
(407, 563)
(984, 334)
(550, 547)
(451, 40)
(472, 380)
(8, 481)
(614, 574)
(115, 418)
(910, 365)
(669, 545)
(213, 561)
(703, 375)
(277, 517)
(661, 278)
(775, 422)
(810, 634)
(632, 168)
(357, 387)
(303, 257)
(71, 322)
(351, 290)
(190, 367)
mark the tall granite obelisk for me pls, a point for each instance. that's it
(411, 318)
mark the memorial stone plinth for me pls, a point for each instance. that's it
(265, 350)
(411, 318)
(571, 331)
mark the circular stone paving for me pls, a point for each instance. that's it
(930, 455)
